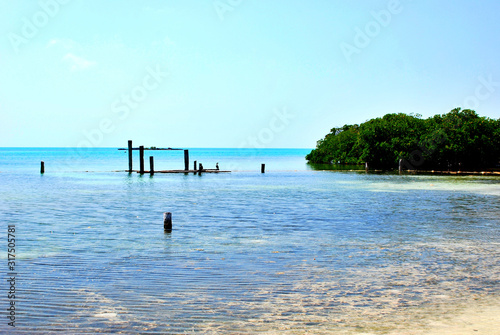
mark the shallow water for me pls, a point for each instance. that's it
(292, 249)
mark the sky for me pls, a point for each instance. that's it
(236, 73)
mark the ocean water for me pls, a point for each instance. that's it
(293, 250)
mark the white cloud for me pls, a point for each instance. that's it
(65, 43)
(51, 43)
(77, 63)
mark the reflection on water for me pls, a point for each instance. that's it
(335, 167)
(305, 251)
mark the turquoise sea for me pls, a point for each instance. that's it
(294, 250)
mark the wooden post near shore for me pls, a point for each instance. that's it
(263, 168)
(42, 167)
(130, 156)
(167, 221)
(141, 159)
(400, 165)
(151, 165)
(194, 165)
(186, 160)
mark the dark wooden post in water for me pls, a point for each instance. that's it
(42, 167)
(141, 159)
(263, 168)
(151, 165)
(130, 156)
(167, 221)
(186, 160)
(194, 165)
(400, 165)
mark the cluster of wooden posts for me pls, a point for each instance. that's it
(197, 167)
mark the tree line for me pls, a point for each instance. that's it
(458, 140)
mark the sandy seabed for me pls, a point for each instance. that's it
(482, 317)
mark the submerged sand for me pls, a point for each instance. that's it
(482, 317)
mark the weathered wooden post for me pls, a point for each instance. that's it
(366, 166)
(141, 159)
(186, 160)
(42, 167)
(167, 221)
(130, 156)
(200, 169)
(151, 165)
(263, 168)
(194, 165)
(400, 165)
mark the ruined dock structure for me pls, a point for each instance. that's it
(197, 167)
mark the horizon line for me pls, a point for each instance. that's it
(88, 148)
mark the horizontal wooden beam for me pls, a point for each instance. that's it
(181, 171)
(151, 149)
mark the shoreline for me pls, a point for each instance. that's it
(481, 173)
(423, 172)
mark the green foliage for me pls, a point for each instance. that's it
(339, 146)
(460, 139)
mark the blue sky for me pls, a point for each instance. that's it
(236, 73)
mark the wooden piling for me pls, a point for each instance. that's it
(141, 159)
(263, 168)
(167, 221)
(42, 167)
(130, 156)
(186, 160)
(151, 165)
(400, 165)
(195, 165)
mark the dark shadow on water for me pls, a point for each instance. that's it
(353, 168)
(335, 167)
